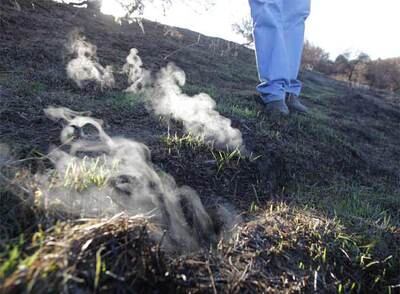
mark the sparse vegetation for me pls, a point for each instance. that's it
(222, 158)
(190, 141)
(83, 173)
(123, 100)
(313, 254)
(227, 159)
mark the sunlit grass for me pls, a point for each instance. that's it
(222, 158)
(177, 142)
(353, 203)
(80, 174)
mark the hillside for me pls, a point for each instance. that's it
(318, 195)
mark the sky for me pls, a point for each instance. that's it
(337, 26)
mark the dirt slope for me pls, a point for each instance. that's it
(341, 162)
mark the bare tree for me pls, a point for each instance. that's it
(384, 74)
(135, 8)
(315, 58)
(245, 28)
(351, 69)
(358, 68)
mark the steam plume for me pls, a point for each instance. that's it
(85, 66)
(138, 77)
(101, 176)
(198, 113)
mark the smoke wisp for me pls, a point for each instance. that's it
(198, 113)
(164, 93)
(85, 67)
(138, 77)
(100, 176)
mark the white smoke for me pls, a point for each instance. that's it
(138, 77)
(101, 176)
(198, 113)
(85, 66)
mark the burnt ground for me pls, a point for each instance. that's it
(342, 160)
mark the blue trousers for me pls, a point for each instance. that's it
(279, 39)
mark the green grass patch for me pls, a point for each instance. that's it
(177, 142)
(319, 94)
(353, 203)
(118, 100)
(244, 112)
(191, 90)
(11, 257)
(81, 174)
(249, 112)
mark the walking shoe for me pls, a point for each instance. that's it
(277, 107)
(293, 102)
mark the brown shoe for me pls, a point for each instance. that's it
(293, 102)
(277, 107)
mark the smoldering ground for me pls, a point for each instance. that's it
(166, 98)
(84, 66)
(162, 92)
(96, 175)
(198, 113)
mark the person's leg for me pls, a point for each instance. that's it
(294, 16)
(271, 51)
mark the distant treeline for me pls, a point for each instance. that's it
(357, 69)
